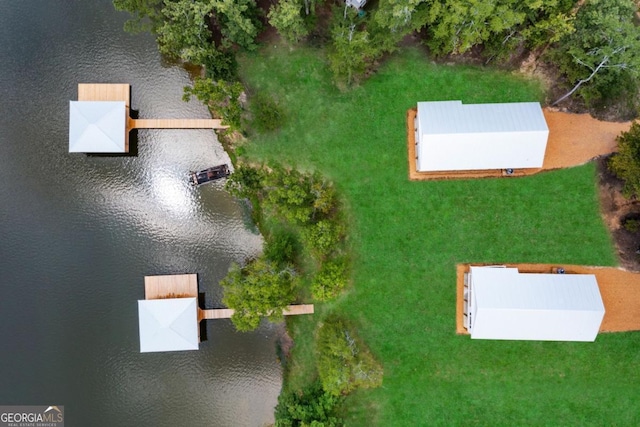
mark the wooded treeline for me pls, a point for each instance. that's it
(592, 46)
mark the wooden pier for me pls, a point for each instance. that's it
(121, 92)
(105, 92)
(186, 286)
(176, 124)
(226, 313)
(171, 286)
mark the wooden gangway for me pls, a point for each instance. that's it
(176, 124)
(226, 313)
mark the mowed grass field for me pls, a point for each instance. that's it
(408, 236)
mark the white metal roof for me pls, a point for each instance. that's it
(455, 137)
(356, 3)
(507, 288)
(512, 305)
(168, 324)
(447, 117)
(97, 126)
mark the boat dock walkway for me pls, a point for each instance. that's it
(186, 286)
(176, 124)
(171, 286)
(226, 313)
(122, 92)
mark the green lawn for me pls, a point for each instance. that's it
(408, 236)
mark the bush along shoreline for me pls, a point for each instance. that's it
(305, 257)
(305, 252)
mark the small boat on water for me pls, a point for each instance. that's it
(208, 175)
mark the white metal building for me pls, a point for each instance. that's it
(97, 127)
(358, 4)
(451, 136)
(503, 304)
(168, 324)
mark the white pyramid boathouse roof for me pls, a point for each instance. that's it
(168, 324)
(97, 127)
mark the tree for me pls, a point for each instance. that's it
(544, 22)
(603, 51)
(351, 52)
(238, 21)
(288, 193)
(183, 33)
(399, 15)
(223, 98)
(310, 406)
(286, 17)
(147, 14)
(547, 21)
(625, 163)
(456, 26)
(260, 289)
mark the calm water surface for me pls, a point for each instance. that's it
(78, 234)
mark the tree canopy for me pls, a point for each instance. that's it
(625, 163)
(595, 44)
(147, 14)
(286, 17)
(603, 51)
(261, 289)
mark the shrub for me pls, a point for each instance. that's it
(325, 196)
(245, 182)
(632, 225)
(344, 362)
(267, 114)
(281, 247)
(323, 236)
(625, 163)
(330, 280)
(308, 407)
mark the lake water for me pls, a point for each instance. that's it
(79, 233)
